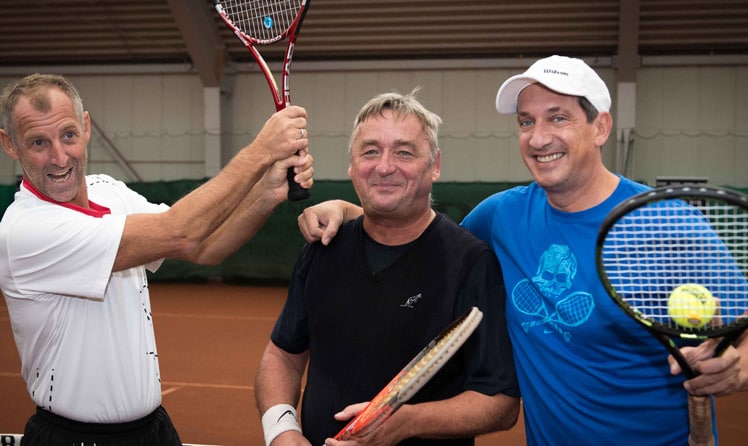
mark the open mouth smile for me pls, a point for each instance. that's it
(548, 158)
(61, 177)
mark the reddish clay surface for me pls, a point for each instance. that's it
(210, 338)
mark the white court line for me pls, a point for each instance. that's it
(207, 385)
(14, 439)
(216, 316)
(168, 391)
(176, 385)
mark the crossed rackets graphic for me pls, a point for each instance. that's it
(570, 311)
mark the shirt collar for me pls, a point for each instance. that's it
(95, 210)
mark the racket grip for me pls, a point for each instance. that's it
(295, 191)
(700, 421)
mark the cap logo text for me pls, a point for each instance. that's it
(554, 71)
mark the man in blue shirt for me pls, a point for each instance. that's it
(588, 374)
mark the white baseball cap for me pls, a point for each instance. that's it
(561, 74)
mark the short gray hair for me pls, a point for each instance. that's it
(35, 86)
(402, 106)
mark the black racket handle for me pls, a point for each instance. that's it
(295, 191)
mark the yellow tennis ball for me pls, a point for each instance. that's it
(691, 306)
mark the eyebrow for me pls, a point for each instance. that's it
(397, 142)
(551, 109)
(71, 127)
(29, 139)
(405, 142)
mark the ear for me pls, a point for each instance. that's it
(437, 169)
(8, 145)
(87, 126)
(603, 126)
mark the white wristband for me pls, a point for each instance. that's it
(278, 419)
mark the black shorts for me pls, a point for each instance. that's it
(47, 429)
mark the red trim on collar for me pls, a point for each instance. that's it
(95, 210)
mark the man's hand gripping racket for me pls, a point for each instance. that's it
(675, 259)
(262, 22)
(412, 377)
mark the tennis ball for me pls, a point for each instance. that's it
(691, 306)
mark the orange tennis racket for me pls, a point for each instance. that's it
(413, 376)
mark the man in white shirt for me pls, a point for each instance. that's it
(74, 249)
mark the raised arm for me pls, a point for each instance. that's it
(254, 210)
(181, 230)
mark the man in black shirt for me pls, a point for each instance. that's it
(360, 308)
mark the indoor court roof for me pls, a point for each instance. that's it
(96, 32)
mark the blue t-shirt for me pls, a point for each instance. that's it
(589, 374)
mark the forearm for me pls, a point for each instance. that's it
(465, 415)
(279, 378)
(277, 390)
(238, 228)
(181, 230)
(350, 210)
(209, 206)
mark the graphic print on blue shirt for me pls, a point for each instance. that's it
(546, 299)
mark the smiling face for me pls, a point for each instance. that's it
(560, 147)
(50, 144)
(392, 168)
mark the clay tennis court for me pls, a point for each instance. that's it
(210, 339)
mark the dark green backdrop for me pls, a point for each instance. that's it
(270, 255)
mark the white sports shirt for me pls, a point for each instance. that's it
(84, 334)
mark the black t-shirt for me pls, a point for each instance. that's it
(362, 327)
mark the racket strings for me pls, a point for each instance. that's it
(413, 376)
(263, 20)
(423, 364)
(653, 249)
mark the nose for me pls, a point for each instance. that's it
(58, 155)
(385, 165)
(540, 136)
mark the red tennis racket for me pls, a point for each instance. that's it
(412, 377)
(675, 259)
(262, 22)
